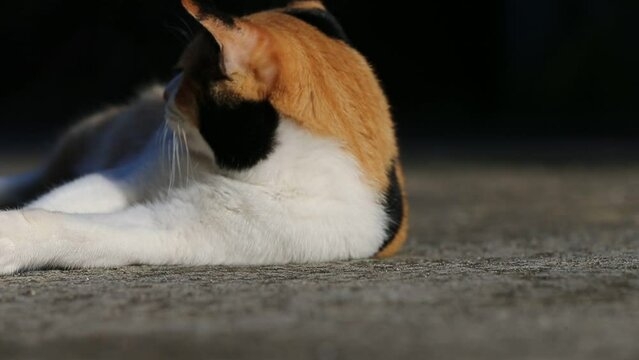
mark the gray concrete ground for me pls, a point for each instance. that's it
(504, 262)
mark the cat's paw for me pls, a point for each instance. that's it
(8, 257)
(15, 231)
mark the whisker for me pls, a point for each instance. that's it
(188, 154)
(173, 160)
(178, 154)
(182, 31)
(164, 150)
(180, 34)
(187, 27)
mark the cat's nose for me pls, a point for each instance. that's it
(172, 87)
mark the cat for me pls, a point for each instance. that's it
(275, 144)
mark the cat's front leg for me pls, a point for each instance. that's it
(9, 263)
(35, 239)
(31, 239)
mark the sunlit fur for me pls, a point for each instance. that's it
(138, 184)
(306, 4)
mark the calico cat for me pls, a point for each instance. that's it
(274, 145)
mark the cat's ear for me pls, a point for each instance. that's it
(306, 4)
(245, 49)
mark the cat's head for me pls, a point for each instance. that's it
(294, 62)
(255, 57)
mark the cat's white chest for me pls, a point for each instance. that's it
(309, 190)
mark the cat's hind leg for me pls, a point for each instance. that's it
(142, 178)
(17, 191)
(91, 194)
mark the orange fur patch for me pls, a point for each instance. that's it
(322, 83)
(353, 110)
(306, 4)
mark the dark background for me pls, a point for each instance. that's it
(509, 71)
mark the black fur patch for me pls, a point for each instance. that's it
(394, 206)
(208, 67)
(208, 8)
(241, 135)
(323, 21)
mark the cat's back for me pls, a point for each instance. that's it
(115, 135)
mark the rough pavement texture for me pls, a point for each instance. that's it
(505, 262)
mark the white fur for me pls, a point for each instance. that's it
(308, 202)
